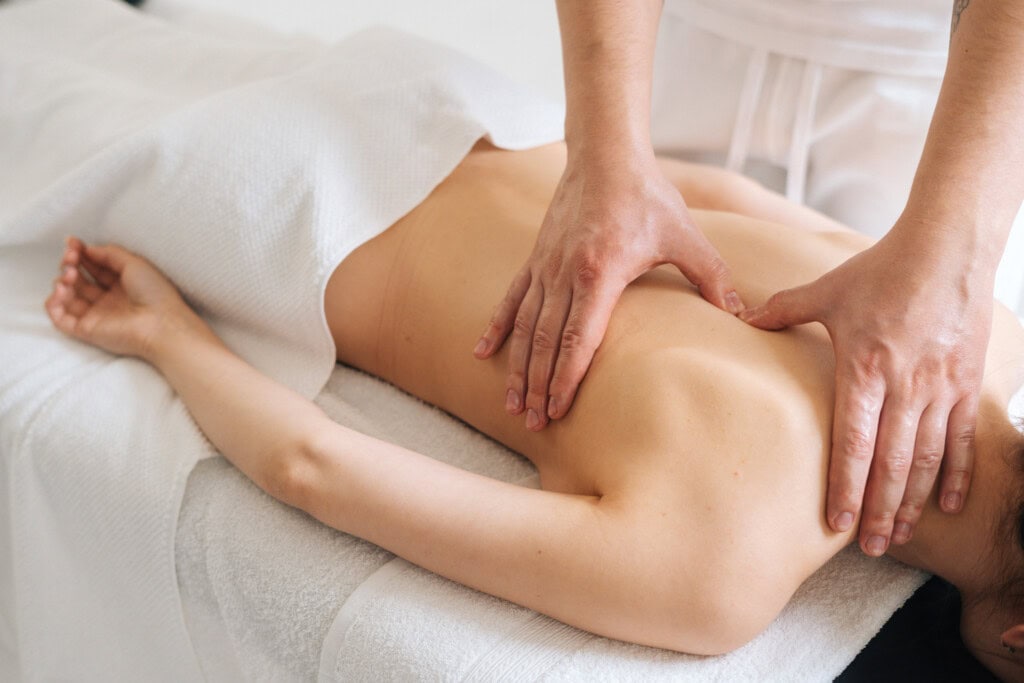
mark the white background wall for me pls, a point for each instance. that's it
(518, 37)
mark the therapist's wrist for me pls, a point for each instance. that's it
(611, 153)
(958, 244)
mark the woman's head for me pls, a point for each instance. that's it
(993, 613)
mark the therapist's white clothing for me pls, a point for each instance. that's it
(828, 101)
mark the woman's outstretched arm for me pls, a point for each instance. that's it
(594, 563)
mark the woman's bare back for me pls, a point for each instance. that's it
(708, 438)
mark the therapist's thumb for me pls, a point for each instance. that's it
(785, 308)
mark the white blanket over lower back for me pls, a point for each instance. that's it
(246, 171)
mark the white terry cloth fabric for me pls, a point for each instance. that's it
(246, 171)
(404, 622)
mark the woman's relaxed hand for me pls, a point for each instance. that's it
(607, 225)
(112, 298)
(910, 328)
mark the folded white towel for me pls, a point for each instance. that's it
(246, 172)
(404, 622)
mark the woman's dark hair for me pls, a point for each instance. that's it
(1009, 545)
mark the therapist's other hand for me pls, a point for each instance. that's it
(607, 224)
(910, 329)
(111, 298)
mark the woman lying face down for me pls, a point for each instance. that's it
(682, 499)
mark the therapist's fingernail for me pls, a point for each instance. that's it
(480, 347)
(532, 419)
(511, 400)
(844, 521)
(901, 533)
(876, 545)
(552, 407)
(951, 502)
(733, 302)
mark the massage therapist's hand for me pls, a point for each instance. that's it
(113, 299)
(609, 222)
(910, 327)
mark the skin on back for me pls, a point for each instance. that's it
(710, 434)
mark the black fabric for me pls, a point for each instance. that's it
(920, 642)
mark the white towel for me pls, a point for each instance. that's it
(246, 171)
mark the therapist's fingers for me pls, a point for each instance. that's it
(546, 345)
(520, 347)
(890, 468)
(504, 316)
(854, 427)
(698, 260)
(789, 307)
(585, 326)
(928, 449)
(958, 464)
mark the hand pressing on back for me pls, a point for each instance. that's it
(606, 226)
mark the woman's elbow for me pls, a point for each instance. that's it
(291, 476)
(714, 620)
(716, 631)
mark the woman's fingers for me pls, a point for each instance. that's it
(61, 319)
(60, 307)
(82, 288)
(890, 469)
(109, 256)
(547, 338)
(504, 317)
(100, 275)
(520, 348)
(928, 450)
(75, 255)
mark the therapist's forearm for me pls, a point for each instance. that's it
(970, 182)
(608, 55)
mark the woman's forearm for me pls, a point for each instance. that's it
(970, 182)
(608, 55)
(252, 420)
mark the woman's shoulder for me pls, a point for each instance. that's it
(728, 580)
(1004, 373)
